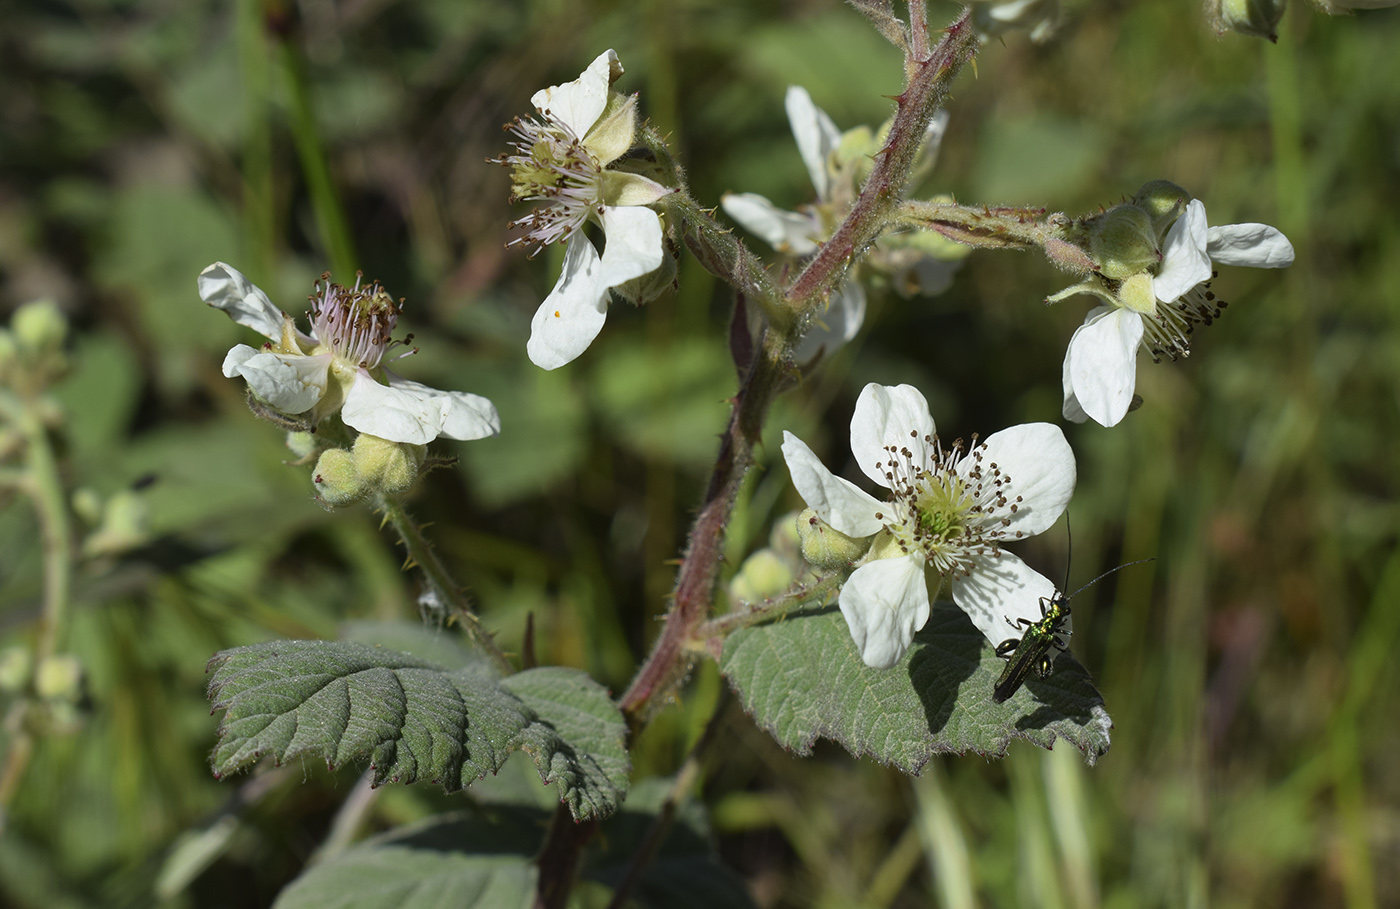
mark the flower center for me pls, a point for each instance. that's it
(1167, 329)
(551, 165)
(354, 322)
(953, 508)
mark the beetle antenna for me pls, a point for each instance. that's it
(1106, 574)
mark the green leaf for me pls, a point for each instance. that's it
(801, 679)
(415, 720)
(461, 860)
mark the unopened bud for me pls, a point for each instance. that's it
(1123, 242)
(825, 547)
(1164, 202)
(1256, 18)
(337, 481)
(15, 663)
(39, 328)
(60, 678)
(388, 467)
(126, 524)
(764, 574)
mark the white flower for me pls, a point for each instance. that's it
(1158, 312)
(337, 367)
(836, 167)
(949, 514)
(561, 161)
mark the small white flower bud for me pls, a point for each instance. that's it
(59, 678)
(764, 574)
(337, 481)
(15, 664)
(39, 328)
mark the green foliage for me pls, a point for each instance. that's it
(802, 679)
(416, 721)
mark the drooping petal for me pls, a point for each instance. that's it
(291, 383)
(224, 287)
(572, 315)
(1103, 363)
(889, 416)
(786, 231)
(578, 104)
(1254, 245)
(884, 603)
(843, 318)
(407, 411)
(633, 245)
(837, 501)
(817, 137)
(1071, 409)
(1040, 466)
(1184, 260)
(1001, 588)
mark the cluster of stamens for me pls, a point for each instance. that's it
(551, 166)
(1168, 330)
(951, 517)
(355, 322)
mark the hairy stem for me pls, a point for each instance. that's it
(421, 553)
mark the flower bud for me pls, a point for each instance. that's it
(1164, 202)
(825, 547)
(764, 574)
(60, 678)
(1256, 18)
(126, 524)
(1123, 241)
(337, 481)
(386, 467)
(15, 663)
(39, 328)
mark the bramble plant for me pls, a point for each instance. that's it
(892, 616)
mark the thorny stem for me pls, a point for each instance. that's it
(761, 381)
(45, 488)
(421, 553)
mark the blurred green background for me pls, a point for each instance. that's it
(1248, 669)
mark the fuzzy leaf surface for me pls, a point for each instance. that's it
(801, 679)
(416, 721)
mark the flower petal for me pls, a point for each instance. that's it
(786, 231)
(889, 416)
(1000, 590)
(843, 318)
(1038, 465)
(224, 287)
(572, 315)
(291, 383)
(816, 136)
(578, 104)
(407, 411)
(1254, 245)
(633, 246)
(1071, 409)
(837, 501)
(1103, 363)
(884, 603)
(1184, 260)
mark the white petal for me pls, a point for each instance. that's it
(786, 231)
(999, 589)
(1103, 363)
(1040, 466)
(579, 104)
(889, 416)
(224, 287)
(1254, 245)
(290, 383)
(572, 315)
(839, 324)
(1071, 409)
(633, 244)
(837, 501)
(816, 136)
(884, 603)
(1184, 260)
(406, 411)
